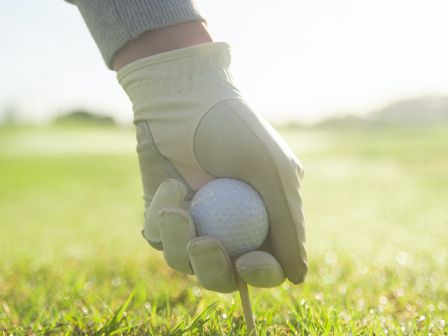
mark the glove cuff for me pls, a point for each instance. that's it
(186, 75)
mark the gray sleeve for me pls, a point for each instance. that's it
(113, 23)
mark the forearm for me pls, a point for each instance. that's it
(114, 24)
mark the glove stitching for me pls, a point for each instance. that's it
(146, 138)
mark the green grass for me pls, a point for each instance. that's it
(74, 263)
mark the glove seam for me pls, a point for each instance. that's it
(256, 268)
(197, 127)
(166, 163)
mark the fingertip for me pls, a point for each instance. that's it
(170, 193)
(260, 269)
(176, 229)
(155, 244)
(211, 264)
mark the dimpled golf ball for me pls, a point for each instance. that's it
(232, 212)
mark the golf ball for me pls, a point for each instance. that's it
(232, 212)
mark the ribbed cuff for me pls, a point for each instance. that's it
(113, 23)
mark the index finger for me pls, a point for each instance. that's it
(170, 194)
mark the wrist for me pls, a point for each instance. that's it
(165, 39)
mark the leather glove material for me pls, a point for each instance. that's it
(192, 127)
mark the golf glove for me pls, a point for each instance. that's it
(192, 127)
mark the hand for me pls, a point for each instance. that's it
(204, 256)
(192, 127)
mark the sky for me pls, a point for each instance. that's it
(300, 60)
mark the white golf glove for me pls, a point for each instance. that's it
(193, 127)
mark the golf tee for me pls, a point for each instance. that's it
(247, 309)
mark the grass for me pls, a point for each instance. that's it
(74, 263)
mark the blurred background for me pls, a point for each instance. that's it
(359, 90)
(297, 61)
